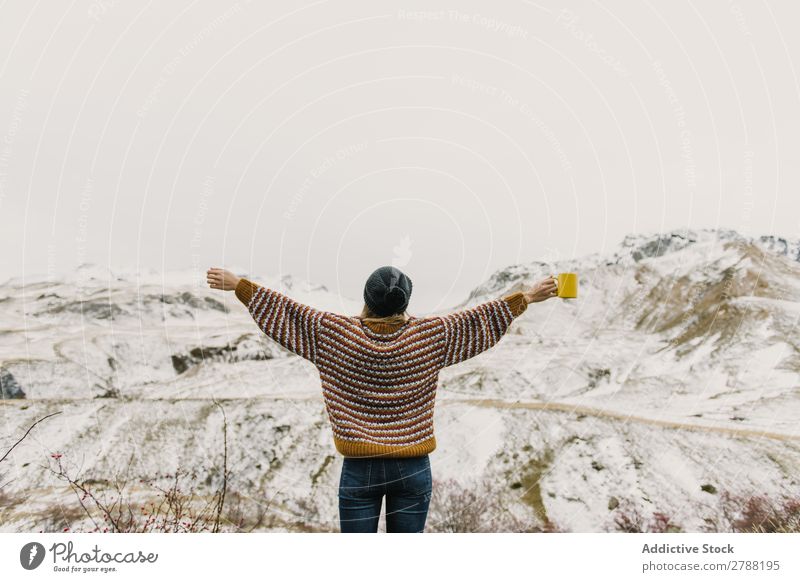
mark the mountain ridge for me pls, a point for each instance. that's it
(680, 350)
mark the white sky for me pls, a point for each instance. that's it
(325, 139)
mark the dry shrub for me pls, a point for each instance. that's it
(478, 508)
(110, 507)
(245, 514)
(736, 513)
(628, 519)
(7, 503)
(749, 513)
(173, 507)
(306, 518)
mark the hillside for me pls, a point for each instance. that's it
(676, 368)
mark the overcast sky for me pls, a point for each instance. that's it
(325, 139)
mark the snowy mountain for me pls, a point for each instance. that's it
(676, 368)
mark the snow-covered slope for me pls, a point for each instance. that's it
(676, 367)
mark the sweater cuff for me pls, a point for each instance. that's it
(244, 290)
(516, 301)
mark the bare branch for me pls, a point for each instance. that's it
(8, 452)
(224, 466)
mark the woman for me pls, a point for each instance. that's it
(379, 372)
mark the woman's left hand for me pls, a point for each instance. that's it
(221, 279)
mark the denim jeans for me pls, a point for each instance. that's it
(406, 483)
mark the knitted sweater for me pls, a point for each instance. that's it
(378, 379)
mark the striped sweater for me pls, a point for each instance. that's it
(379, 379)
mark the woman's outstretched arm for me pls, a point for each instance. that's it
(292, 324)
(472, 331)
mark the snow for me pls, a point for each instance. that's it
(660, 407)
(477, 432)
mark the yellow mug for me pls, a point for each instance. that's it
(568, 285)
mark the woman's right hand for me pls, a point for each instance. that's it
(544, 289)
(221, 279)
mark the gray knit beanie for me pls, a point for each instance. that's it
(387, 291)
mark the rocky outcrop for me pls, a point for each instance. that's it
(244, 348)
(9, 387)
(656, 246)
(101, 305)
(188, 299)
(89, 309)
(781, 246)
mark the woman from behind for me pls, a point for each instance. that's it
(379, 372)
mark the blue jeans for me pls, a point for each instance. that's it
(406, 482)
